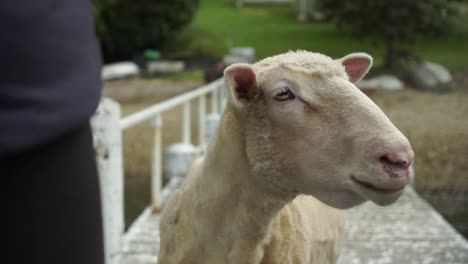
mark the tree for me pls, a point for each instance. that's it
(392, 22)
(126, 27)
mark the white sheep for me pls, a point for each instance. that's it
(296, 129)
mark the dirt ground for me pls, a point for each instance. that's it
(436, 124)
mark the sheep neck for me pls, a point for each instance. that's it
(245, 207)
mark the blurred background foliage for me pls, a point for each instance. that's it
(392, 31)
(125, 27)
(393, 22)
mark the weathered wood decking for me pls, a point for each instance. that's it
(410, 231)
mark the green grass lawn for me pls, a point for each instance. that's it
(274, 29)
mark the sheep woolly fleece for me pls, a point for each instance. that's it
(242, 202)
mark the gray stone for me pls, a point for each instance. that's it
(247, 52)
(231, 59)
(240, 55)
(165, 66)
(119, 70)
(384, 82)
(432, 77)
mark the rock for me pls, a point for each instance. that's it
(247, 52)
(165, 66)
(119, 70)
(431, 77)
(240, 55)
(385, 82)
(231, 59)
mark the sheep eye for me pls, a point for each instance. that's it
(284, 95)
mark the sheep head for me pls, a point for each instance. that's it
(309, 130)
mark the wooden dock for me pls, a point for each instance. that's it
(410, 231)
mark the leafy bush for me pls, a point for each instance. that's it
(126, 27)
(392, 22)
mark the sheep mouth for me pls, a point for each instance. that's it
(370, 187)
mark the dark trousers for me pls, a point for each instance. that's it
(53, 211)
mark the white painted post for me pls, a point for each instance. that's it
(224, 98)
(186, 136)
(156, 168)
(107, 137)
(214, 101)
(181, 155)
(212, 120)
(303, 14)
(201, 120)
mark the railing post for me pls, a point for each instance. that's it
(186, 132)
(181, 155)
(214, 101)
(107, 137)
(212, 120)
(224, 98)
(201, 120)
(156, 168)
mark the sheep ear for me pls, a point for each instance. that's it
(356, 65)
(241, 81)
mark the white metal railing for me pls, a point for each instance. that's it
(108, 128)
(155, 112)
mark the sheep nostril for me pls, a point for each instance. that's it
(402, 163)
(395, 161)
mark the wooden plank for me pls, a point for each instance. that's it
(410, 231)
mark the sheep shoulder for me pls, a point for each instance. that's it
(176, 225)
(305, 231)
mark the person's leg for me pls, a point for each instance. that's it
(53, 204)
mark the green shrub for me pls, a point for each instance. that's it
(393, 22)
(126, 27)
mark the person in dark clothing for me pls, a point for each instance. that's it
(50, 79)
